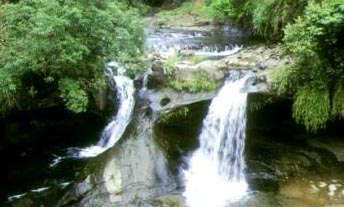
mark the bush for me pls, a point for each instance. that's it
(316, 42)
(201, 83)
(47, 42)
(267, 18)
(312, 107)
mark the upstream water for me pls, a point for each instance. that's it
(213, 42)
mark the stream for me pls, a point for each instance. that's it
(220, 154)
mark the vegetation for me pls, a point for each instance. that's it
(170, 63)
(316, 42)
(201, 83)
(171, 116)
(312, 33)
(186, 12)
(267, 18)
(195, 59)
(58, 49)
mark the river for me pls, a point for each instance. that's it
(221, 154)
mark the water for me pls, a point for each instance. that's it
(114, 130)
(216, 42)
(216, 170)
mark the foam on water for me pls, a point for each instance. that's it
(216, 170)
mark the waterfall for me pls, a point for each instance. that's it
(216, 170)
(114, 130)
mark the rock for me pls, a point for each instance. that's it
(331, 190)
(297, 189)
(259, 59)
(165, 100)
(155, 80)
(322, 184)
(187, 53)
(335, 146)
(113, 181)
(158, 63)
(314, 188)
(171, 201)
(187, 72)
(26, 202)
(134, 169)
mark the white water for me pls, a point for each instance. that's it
(206, 51)
(38, 190)
(216, 170)
(207, 44)
(115, 129)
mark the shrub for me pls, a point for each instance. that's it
(58, 48)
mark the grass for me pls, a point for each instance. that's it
(201, 83)
(195, 59)
(197, 9)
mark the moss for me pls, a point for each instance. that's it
(185, 14)
(201, 83)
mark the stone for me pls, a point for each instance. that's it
(332, 188)
(157, 66)
(113, 181)
(314, 188)
(187, 53)
(171, 201)
(322, 184)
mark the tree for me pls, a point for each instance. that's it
(317, 78)
(58, 49)
(266, 18)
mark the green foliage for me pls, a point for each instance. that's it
(267, 18)
(338, 101)
(312, 107)
(47, 42)
(316, 42)
(71, 93)
(282, 78)
(170, 63)
(174, 115)
(259, 100)
(201, 83)
(195, 59)
(222, 10)
(188, 8)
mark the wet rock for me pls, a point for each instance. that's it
(187, 53)
(259, 59)
(307, 192)
(158, 63)
(155, 80)
(322, 184)
(165, 101)
(26, 202)
(171, 201)
(134, 169)
(112, 178)
(334, 145)
(187, 72)
(157, 77)
(176, 99)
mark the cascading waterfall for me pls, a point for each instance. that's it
(216, 170)
(114, 130)
(206, 44)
